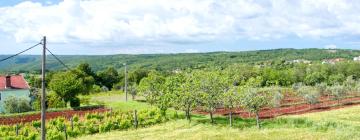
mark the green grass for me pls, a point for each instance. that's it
(337, 124)
(116, 100)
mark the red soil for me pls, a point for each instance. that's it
(298, 107)
(49, 115)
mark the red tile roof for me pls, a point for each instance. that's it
(17, 82)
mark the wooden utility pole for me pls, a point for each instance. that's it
(126, 94)
(43, 95)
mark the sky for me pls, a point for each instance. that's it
(101, 27)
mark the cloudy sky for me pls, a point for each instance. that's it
(173, 26)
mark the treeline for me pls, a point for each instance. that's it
(169, 62)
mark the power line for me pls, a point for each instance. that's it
(58, 59)
(7, 58)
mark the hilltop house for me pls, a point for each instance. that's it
(14, 85)
(357, 58)
(333, 61)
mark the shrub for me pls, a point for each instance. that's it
(54, 101)
(74, 102)
(16, 105)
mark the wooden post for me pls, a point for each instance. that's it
(126, 94)
(66, 136)
(135, 119)
(72, 123)
(230, 116)
(17, 129)
(43, 95)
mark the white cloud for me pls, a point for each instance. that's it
(170, 21)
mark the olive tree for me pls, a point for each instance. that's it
(231, 99)
(309, 94)
(253, 100)
(16, 105)
(338, 92)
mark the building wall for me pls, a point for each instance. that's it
(22, 93)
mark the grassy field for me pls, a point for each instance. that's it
(116, 100)
(342, 124)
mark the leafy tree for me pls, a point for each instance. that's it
(253, 100)
(108, 77)
(132, 89)
(16, 105)
(152, 88)
(336, 78)
(338, 92)
(66, 85)
(185, 90)
(310, 95)
(350, 83)
(88, 81)
(231, 99)
(315, 77)
(277, 97)
(136, 75)
(322, 88)
(211, 86)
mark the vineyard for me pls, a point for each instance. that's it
(61, 127)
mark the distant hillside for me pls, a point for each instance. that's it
(174, 61)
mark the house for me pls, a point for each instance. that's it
(332, 61)
(14, 85)
(298, 61)
(357, 58)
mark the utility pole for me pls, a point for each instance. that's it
(43, 95)
(126, 94)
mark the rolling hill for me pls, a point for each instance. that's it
(173, 61)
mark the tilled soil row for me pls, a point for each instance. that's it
(303, 108)
(49, 115)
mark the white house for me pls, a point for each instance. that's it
(357, 58)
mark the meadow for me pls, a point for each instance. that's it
(336, 124)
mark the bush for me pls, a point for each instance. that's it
(74, 102)
(16, 105)
(54, 101)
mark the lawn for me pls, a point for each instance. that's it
(336, 124)
(116, 100)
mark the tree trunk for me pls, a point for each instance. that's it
(188, 113)
(257, 120)
(211, 117)
(230, 118)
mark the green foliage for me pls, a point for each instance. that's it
(66, 85)
(74, 102)
(338, 92)
(108, 77)
(151, 88)
(90, 124)
(211, 86)
(253, 100)
(16, 105)
(53, 101)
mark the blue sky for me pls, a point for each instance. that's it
(170, 26)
